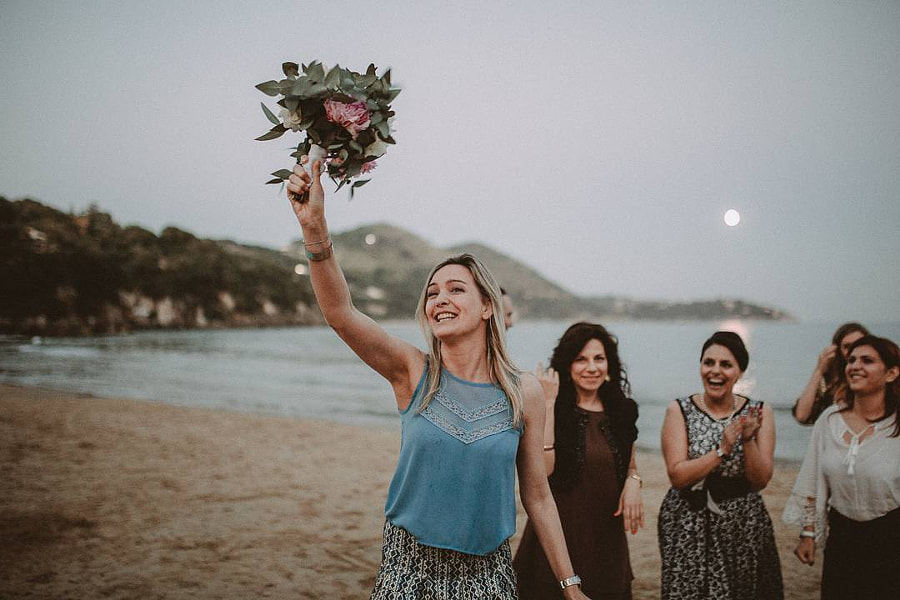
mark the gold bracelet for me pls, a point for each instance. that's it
(320, 255)
(549, 448)
(637, 478)
(320, 242)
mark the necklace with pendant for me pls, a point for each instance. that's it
(723, 419)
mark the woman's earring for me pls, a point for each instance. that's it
(607, 378)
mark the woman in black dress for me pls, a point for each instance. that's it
(589, 435)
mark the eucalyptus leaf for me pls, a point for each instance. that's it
(290, 69)
(333, 78)
(274, 133)
(386, 78)
(300, 87)
(291, 103)
(283, 173)
(269, 88)
(360, 183)
(274, 181)
(270, 115)
(316, 72)
(316, 89)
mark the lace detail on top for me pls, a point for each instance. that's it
(468, 411)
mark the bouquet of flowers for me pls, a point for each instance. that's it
(345, 115)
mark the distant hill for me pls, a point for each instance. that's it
(75, 274)
(387, 275)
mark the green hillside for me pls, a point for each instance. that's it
(77, 274)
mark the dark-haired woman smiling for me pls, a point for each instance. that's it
(589, 435)
(715, 535)
(850, 480)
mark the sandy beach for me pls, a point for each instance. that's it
(116, 498)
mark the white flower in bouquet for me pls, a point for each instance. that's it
(291, 120)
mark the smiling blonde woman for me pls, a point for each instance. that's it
(469, 420)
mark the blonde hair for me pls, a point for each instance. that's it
(503, 372)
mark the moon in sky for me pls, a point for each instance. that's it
(732, 217)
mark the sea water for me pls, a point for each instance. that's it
(309, 373)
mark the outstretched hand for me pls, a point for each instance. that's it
(306, 193)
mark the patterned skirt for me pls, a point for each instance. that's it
(412, 571)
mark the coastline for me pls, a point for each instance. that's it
(117, 498)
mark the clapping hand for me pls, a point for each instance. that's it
(751, 422)
(730, 435)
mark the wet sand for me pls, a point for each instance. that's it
(115, 498)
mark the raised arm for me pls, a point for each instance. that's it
(398, 361)
(684, 471)
(535, 491)
(803, 408)
(549, 380)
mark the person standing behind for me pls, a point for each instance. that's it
(828, 376)
(850, 480)
(509, 310)
(715, 535)
(468, 418)
(589, 440)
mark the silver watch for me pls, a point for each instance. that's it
(573, 580)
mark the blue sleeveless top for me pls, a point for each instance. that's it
(454, 486)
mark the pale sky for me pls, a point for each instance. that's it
(600, 142)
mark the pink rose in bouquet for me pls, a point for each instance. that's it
(367, 167)
(353, 117)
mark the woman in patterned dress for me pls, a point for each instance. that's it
(469, 420)
(715, 535)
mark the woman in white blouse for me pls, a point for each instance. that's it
(850, 480)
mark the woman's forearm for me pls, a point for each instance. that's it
(545, 518)
(688, 472)
(549, 441)
(757, 467)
